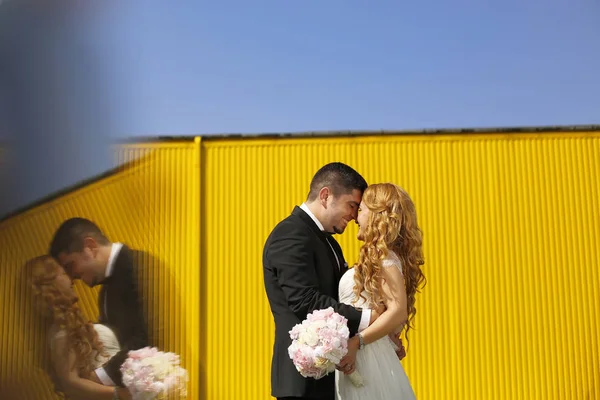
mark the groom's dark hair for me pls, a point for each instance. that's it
(68, 238)
(339, 177)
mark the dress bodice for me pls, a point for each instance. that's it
(105, 335)
(110, 342)
(377, 363)
(346, 286)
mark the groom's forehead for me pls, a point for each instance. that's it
(66, 261)
(354, 197)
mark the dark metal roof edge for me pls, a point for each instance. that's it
(349, 132)
(151, 139)
(62, 192)
(96, 178)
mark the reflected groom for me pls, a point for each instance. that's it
(86, 253)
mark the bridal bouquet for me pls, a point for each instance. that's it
(151, 374)
(320, 343)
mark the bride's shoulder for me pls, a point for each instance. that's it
(55, 336)
(349, 273)
(105, 333)
(55, 332)
(392, 260)
(102, 329)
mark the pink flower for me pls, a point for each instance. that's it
(320, 315)
(143, 353)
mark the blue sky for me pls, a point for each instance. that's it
(199, 68)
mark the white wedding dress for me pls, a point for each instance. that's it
(106, 336)
(383, 375)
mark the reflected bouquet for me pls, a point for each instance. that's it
(151, 374)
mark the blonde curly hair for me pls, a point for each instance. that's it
(392, 225)
(57, 306)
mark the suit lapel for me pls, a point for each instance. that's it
(105, 297)
(298, 212)
(330, 244)
(101, 298)
(343, 265)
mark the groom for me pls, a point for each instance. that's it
(303, 264)
(85, 253)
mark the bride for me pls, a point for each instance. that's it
(76, 347)
(387, 275)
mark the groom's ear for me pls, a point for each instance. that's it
(324, 194)
(91, 243)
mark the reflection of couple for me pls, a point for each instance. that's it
(84, 358)
(304, 271)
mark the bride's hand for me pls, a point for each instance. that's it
(123, 394)
(348, 363)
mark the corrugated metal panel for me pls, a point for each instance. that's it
(511, 227)
(150, 205)
(512, 230)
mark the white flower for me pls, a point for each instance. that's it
(310, 337)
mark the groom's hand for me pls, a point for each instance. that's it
(400, 351)
(376, 313)
(93, 377)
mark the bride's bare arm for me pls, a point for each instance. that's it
(397, 340)
(74, 386)
(396, 313)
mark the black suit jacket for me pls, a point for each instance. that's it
(122, 307)
(301, 275)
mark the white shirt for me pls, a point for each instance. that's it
(114, 252)
(366, 313)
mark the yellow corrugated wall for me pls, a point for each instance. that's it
(511, 228)
(152, 204)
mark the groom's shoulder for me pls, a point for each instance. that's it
(292, 225)
(127, 254)
(137, 258)
(130, 252)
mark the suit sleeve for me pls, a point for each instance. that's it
(137, 328)
(291, 256)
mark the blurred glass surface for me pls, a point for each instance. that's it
(55, 98)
